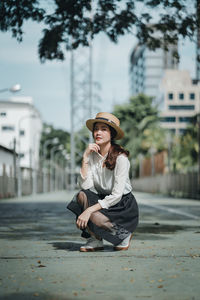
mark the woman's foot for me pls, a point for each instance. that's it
(124, 245)
(91, 245)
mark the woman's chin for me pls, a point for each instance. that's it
(98, 142)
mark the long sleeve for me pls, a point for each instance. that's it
(121, 173)
(86, 182)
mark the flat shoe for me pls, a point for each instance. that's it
(124, 245)
(92, 245)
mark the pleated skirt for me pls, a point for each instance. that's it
(124, 217)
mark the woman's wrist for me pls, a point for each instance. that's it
(85, 159)
(94, 208)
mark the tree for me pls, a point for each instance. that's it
(185, 149)
(49, 133)
(69, 24)
(140, 121)
(81, 141)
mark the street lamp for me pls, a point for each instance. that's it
(198, 136)
(152, 151)
(34, 167)
(52, 151)
(140, 157)
(169, 145)
(19, 190)
(15, 88)
(60, 160)
(53, 141)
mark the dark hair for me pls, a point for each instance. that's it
(114, 151)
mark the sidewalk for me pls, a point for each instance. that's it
(40, 258)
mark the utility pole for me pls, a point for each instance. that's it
(198, 80)
(82, 97)
(72, 136)
(15, 166)
(198, 41)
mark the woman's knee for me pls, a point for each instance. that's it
(100, 220)
(82, 198)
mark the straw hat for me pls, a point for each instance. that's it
(109, 119)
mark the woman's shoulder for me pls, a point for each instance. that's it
(122, 158)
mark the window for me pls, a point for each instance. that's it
(168, 119)
(181, 96)
(3, 114)
(186, 119)
(179, 107)
(172, 130)
(7, 128)
(192, 96)
(170, 96)
(22, 132)
(182, 130)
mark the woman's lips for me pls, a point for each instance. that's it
(98, 138)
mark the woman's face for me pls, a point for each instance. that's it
(101, 133)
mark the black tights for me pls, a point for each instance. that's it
(96, 217)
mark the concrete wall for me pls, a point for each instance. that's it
(180, 185)
(7, 183)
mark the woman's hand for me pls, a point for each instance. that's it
(83, 219)
(91, 148)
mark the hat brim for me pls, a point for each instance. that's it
(90, 124)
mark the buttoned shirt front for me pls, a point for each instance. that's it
(111, 183)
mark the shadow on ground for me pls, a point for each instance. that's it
(33, 296)
(52, 221)
(71, 246)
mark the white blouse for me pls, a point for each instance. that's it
(113, 183)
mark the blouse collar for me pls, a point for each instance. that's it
(100, 157)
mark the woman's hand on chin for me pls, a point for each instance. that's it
(91, 148)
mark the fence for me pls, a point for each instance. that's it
(178, 185)
(33, 182)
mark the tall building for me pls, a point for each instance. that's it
(147, 68)
(180, 97)
(21, 121)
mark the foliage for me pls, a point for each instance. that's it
(185, 149)
(49, 133)
(139, 120)
(71, 23)
(81, 141)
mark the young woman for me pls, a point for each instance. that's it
(105, 207)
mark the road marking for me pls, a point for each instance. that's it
(174, 211)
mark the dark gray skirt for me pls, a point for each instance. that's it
(123, 216)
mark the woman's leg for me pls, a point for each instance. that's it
(82, 200)
(97, 217)
(102, 221)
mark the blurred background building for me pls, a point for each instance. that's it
(20, 129)
(180, 100)
(147, 68)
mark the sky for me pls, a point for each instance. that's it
(49, 83)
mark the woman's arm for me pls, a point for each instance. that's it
(86, 178)
(85, 160)
(84, 217)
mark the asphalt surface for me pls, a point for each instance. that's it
(40, 258)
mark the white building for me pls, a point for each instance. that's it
(147, 68)
(6, 161)
(180, 98)
(20, 120)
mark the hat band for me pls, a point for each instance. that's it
(110, 121)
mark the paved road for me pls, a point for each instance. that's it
(40, 258)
